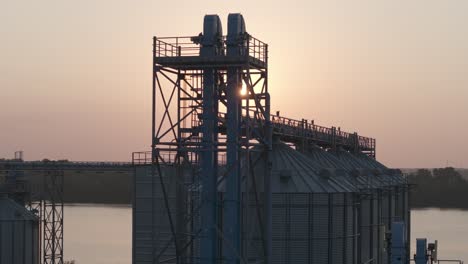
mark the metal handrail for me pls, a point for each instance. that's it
(189, 46)
(66, 163)
(439, 261)
(320, 132)
(168, 157)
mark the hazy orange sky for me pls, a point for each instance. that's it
(75, 76)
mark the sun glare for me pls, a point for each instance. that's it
(244, 89)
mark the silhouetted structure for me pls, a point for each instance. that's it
(44, 210)
(222, 186)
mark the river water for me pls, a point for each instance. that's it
(101, 234)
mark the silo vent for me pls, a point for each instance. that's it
(355, 173)
(325, 174)
(285, 175)
(394, 172)
(340, 172)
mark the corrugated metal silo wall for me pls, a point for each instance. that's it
(365, 229)
(19, 241)
(152, 234)
(251, 233)
(151, 228)
(370, 239)
(395, 203)
(314, 228)
(307, 227)
(386, 202)
(394, 209)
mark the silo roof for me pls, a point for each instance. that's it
(358, 174)
(378, 172)
(348, 173)
(10, 210)
(327, 160)
(292, 171)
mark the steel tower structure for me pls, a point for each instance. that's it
(46, 201)
(52, 217)
(211, 110)
(203, 194)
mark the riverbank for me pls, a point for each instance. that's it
(437, 188)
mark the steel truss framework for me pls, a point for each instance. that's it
(45, 201)
(48, 206)
(52, 218)
(195, 93)
(211, 122)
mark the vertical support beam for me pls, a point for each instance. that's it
(153, 116)
(303, 133)
(355, 137)
(53, 218)
(372, 225)
(310, 235)
(333, 139)
(267, 177)
(408, 221)
(153, 159)
(330, 229)
(181, 197)
(380, 223)
(345, 229)
(357, 229)
(391, 196)
(374, 146)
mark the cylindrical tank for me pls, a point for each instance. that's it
(366, 199)
(387, 191)
(314, 213)
(19, 234)
(153, 227)
(328, 207)
(395, 205)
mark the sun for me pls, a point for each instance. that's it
(243, 90)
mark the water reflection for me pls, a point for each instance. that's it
(449, 227)
(101, 234)
(98, 234)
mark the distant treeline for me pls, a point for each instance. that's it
(444, 188)
(101, 187)
(110, 187)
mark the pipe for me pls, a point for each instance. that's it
(232, 199)
(210, 47)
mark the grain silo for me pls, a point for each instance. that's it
(268, 203)
(314, 212)
(396, 208)
(19, 234)
(387, 192)
(156, 193)
(366, 199)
